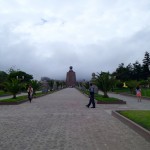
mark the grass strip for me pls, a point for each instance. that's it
(141, 117)
(21, 98)
(17, 99)
(100, 97)
(2, 93)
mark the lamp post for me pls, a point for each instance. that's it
(22, 78)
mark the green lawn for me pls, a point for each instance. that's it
(121, 90)
(17, 99)
(99, 97)
(21, 98)
(3, 93)
(145, 92)
(141, 117)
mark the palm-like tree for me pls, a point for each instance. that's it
(13, 86)
(104, 82)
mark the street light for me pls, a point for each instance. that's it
(22, 78)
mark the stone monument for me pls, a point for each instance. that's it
(71, 78)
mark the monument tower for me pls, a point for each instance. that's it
(71, 78)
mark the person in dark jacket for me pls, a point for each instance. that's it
(91, 96)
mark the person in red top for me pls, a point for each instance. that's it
(30, 93)
(138, 93)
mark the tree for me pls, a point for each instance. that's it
(3, 78)
(57, 84)
(103, 81)
(137, 71)
(145, 66)
(87, 85)
(20, 75)
(51, 83)
(123, 73)
(132, 85)
(35, 85)
(13, 86)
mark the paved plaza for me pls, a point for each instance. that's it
(60, 121)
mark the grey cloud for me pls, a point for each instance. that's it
(86, 43)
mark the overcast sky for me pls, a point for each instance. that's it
(45, 37)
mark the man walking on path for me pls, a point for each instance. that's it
(91, 101)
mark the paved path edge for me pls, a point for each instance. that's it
(140, 130)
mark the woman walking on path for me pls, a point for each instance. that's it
(138, 93)
(30, 92)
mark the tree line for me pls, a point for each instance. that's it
(16, 81)
(135, 71)
(128, 76)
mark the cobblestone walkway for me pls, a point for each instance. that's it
(60, 121)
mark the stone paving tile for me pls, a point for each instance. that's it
(60, 121)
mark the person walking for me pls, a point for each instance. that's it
(30, 93)
(91, 100)
(138, 93)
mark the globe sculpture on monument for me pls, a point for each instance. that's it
(71, 78)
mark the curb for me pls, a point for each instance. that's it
(118, 102)
(140, 130)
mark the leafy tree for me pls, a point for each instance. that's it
(146, 65)
(87, 85)
(137, 71)
(35, 85)
(62, 84)
(113, 82)
(20, 75)
(13, 86)
(144, 83)
(57, 84)
(132, 84)
(123, 73)
(103, 82)
(119, 84)
(51, 83)
(3, 78)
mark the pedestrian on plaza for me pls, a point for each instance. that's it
(91, 96)
(30, 93)
(138, 93)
